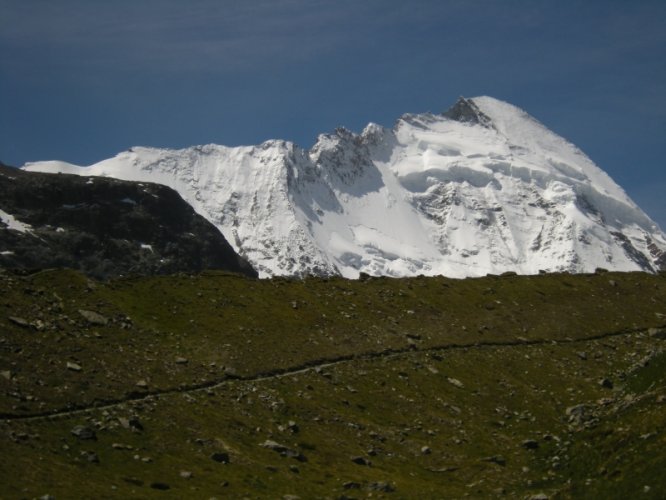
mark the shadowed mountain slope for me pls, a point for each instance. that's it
(105, 227)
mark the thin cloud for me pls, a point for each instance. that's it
(171, 36)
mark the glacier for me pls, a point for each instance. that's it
(482, 188)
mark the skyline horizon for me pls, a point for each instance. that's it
(81, 82)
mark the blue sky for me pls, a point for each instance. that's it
(81, 80)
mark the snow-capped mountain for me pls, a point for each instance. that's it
(482, 188)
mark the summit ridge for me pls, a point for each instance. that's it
(481, 188)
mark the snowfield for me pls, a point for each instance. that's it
(10, 222)
(483, 188)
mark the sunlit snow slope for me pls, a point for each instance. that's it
(483, 188)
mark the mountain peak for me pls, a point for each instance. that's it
(466, 111)
(482, 188)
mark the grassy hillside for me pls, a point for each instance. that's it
(218, 385)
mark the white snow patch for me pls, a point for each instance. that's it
(13, 223)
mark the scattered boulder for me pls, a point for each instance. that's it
(456, 382)
(359, 460)
(381, 486)
(119, 446)
(606, 383)
(181, 361)
(83, 432)
(131, 423)
(579, 414)
(133, 480)
(23, 323)
(530, 444)
(445, 469)
(185, 474)
(657, 333)
(272, 445)
(75, 367)
(90, 456)
(351, 485)
(496, 459)
(283, 450)
(425, 450)
(220, 457)
(93, 317)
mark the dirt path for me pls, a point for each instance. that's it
(74, 410)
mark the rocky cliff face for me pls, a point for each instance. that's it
(482, 188)
(105, 227)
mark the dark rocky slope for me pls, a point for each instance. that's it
(105, 227)
(516, 387)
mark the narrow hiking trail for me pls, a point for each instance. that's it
(317, 364)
